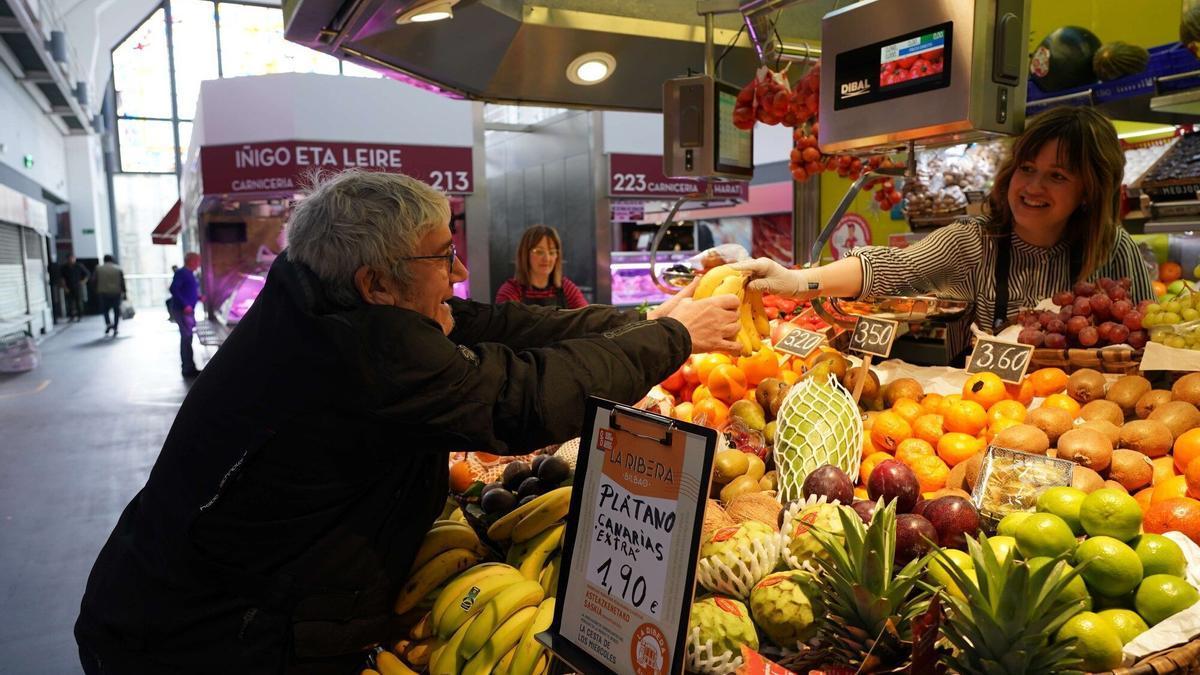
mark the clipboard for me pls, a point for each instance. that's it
(628, 567)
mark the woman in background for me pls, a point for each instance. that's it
(539, 279)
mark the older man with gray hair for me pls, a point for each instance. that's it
(284, 511)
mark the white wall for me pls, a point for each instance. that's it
(25, 130)
(91, 233)
(642, 134)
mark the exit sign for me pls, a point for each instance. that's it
(27, 160)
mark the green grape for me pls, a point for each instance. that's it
(1173, 307)
(1189, 314)
(1152, 308)
(1176, 341)
(1169, 318)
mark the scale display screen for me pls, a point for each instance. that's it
(735, 147)
(907, 64)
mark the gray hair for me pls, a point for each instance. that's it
(357, 218)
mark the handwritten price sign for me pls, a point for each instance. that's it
(800, 342)
(1008, 360)
(874, 336)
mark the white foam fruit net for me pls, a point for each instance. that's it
(817, 424)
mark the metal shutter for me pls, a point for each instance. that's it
(12, 273)
(35, 270)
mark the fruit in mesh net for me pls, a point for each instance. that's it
(725, 622)
(804, 545)
(818, 424)
(735, 541)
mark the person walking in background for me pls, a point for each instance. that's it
(75, 277)
(185, 292)
(110, 288)
(539, 279)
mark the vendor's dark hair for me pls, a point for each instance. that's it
(1089, 148)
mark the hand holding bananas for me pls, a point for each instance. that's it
(839, 279)
(712, 321)
(725, 283)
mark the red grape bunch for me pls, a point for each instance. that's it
(1090, 315)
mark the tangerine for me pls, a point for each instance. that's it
(1047, 381)
(932, 403)
(986, 389)
(1159, 288)
(1008, 409)
(1169, 271)
(1192, 476)
(869, 464)
(928, 428)
(907, 408)
(700, 393)
(967, 417)
(869, 448)
(1143, 498)
(1022, 393)
(727, 382)
(912, 448)
(1187, 448)
(789, 376)
(1164, 468)
(462, 476)
(931, 472)
(956, 447)
(1175, 486)
(706, 362)
(759, 366)
(710, 412)
(1180, 513)
(999, 425)
(889, 430)
(1063, 402)
(946, 403)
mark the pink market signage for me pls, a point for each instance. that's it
(281, 165)
(642, 176)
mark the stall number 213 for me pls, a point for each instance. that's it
(449, 181)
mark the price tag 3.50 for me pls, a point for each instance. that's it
(1008, 360)
(874, 336)
(800, 342)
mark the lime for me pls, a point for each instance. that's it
(1109, 512)
(1096, 642)
(1162, 595)
(1126, 622)
(938, 573)
(1075, 589)
(1113, 568)
(1044, 534)
(1003, 547)
(1159, 555)
(1007, 526)
(1063, 502)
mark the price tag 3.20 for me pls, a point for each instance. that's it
(800, 342)
(1008, 360)
(874, 336)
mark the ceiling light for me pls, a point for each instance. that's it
(591, 68)
(425, 12)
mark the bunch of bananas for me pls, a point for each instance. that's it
(752, 315)
(449, 547)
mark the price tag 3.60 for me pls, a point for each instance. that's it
(800, 342)
(874, 336)
(1008, 360)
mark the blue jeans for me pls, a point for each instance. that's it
(110, 302)
(187, 326)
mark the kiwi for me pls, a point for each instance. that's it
(1086, 385)
(1187, 388)
(1179, 416)
(905, 387)
(1105, 427)
(1054, 421)
(1086, 447)
(1152, 438)
(1085, 479)
(1131, 469)
(972, 466)
(1023, 437)
(1110, 483)
(950, 492)
(1101, 409)
(1149, 401)
(957, 478)
(1126, 391)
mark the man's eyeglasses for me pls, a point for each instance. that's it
(448, 257)
(543, 253)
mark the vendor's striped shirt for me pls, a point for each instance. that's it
(958, 262)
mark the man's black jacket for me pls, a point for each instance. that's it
(282, 515)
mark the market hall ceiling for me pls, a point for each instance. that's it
(518, 51)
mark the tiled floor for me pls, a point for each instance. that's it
(78, 436)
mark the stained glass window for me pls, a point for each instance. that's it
(185, 139)
(252, 44)
(194, 41)
(141, 72)
(146, 145)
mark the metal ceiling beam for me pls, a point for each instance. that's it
(38, 77)
(9, 24)
(56, 73)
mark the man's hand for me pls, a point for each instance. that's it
(712, 322)
(769, 276)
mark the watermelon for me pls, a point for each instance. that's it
(1118, 59)
(1064, 59)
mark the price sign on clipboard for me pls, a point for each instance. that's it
(800, 342)
(1008, 360)
(629, 559)
(874, 336)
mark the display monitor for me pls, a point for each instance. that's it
(734, 146)
(911, 63)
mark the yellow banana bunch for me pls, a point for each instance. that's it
(543, 546)
(444, 536)
(432, 574)
(503, 639)
(529, 650)
(531, 518)
(510, 601)
(389, 664)
(466, 596)
(753, 324)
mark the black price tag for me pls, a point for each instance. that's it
(800, 342)
(1008, 360)
(874, 336)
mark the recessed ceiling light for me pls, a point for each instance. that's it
(591, 68)
(425, 12)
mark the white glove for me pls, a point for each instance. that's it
(770, 277)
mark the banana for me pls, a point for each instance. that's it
(747, 334)
(530, 650)
(543, 665)
(445, 659)
(517, 552)
(546, 514)
(432, 574)
(368, 671)
(502, 529)
(512, 599)
(424, 628)
(401, 646)
(448, 508)
(549, 576)
(505, 661)
(500, 642)
(460, 588)
(418, 653)
(758, 312)
(542, 546)
(445, 537)
(711, 280)
(473, 600)
(734, 284)
(458, 516)
(389, 664)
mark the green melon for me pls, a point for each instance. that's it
(1118, 59)
(1064, 59)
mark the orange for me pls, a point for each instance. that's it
(759, 366)
(1159, 287)
(700, 393)
(789, 376)
(1008, 409)
(947, 403)
(1164, 468)
(907, 408)
(928, 428)
(986, 389)
(967, 417)
(1175, 486)
(487, 457)
(750, 395)
(1064, 402)
(912, 448)
(1143, 498)
(1169, 271)
(869, 464)
(461, 476)
(710, 412)
(691, 376)
(1001, 424)
(1187, 448)
(889, 430)
(1181, 513)
(932, 403)
(706, 362)
(1192, 476)
(931, 472)
(1022, 393)
(860, 493)
(956, 447)
(727, 382)
(1048, 381)
(869, 448)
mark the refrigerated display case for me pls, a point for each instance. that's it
(631, 284)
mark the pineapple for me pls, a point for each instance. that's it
(1003, 626)
(871, 605)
